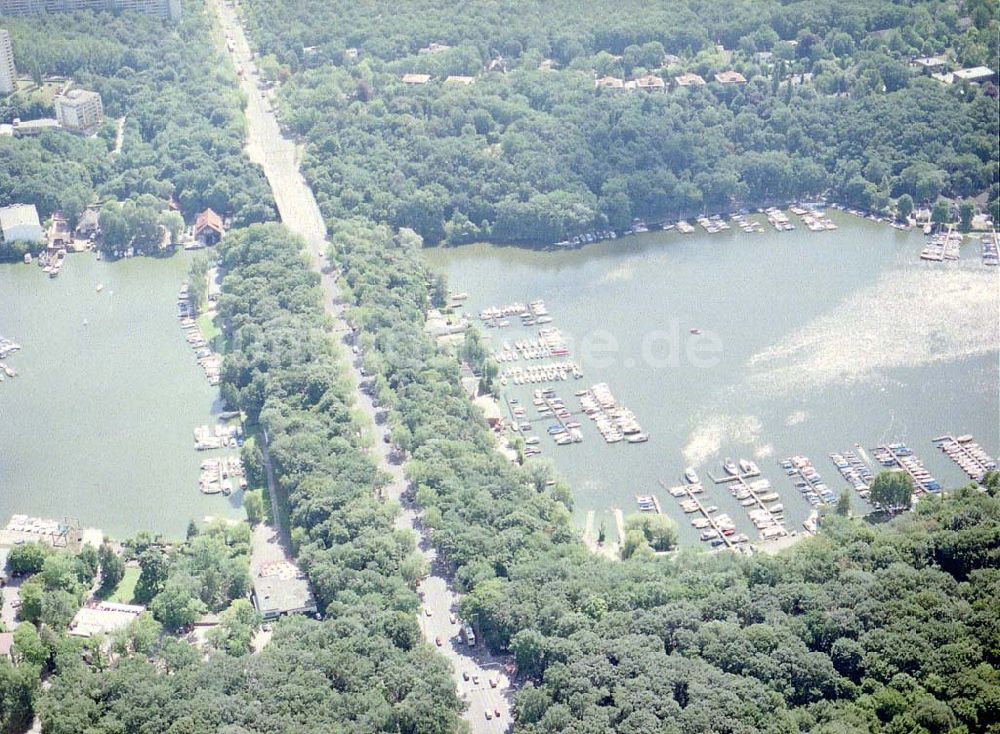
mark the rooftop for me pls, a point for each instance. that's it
(416, 78)
(6, 643)
(208, 219)
(730, 77)
(19, 215)
(103, 618)
(610, 82)
(460, 80)
(279, 587)
(689, 80)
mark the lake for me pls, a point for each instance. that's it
(98, 423)
(810, 343)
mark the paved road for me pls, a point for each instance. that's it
(267, 146)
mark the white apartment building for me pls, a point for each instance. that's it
(8, 74)
(80, 110)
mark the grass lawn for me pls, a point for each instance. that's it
(206, 322)
(126, 587)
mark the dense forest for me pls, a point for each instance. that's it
(863, 629)
(537, 154)
(867, 628)
(853, 631)
(184, 126)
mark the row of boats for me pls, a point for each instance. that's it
(615, 422)
(207, 359)
(7, 348)
(854, 471)
(968, 454)
(809, 482)
(219, 436)
(550, 405)
(989, 246)
(943, 246)
(221, 475)
(603, 234)
(814, 218)
(530, 314)
(533, 374)
(899, 456)
(550, 343)
(51, 262)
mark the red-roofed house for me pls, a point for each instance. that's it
(208, 229)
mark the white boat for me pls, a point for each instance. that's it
(730, 467)
(746, 466)
(100, 287)
(691, 475)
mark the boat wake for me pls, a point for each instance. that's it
(909, 318)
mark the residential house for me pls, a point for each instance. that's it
(59, 235)
(689, 80)
(975, 75)
(461, 80)
(208, 229)
(730, 77)
(650, 83)
(609, 82)
(416, 79)
(89, 224)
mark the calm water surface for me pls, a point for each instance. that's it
(811, 343)
(98, 423)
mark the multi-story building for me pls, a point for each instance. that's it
(8, 74)
(80, 111)
(158, 8)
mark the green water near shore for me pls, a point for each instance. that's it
(811, 343)
(98, 423)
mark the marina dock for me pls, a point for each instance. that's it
(899, 456)
(856, 472)
(722, 530)
(808, 481)
(969, 456)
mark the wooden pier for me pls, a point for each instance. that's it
(701, 508)
(742, 480)
(969, 456)
(920, 485)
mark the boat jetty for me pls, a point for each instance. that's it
(718, 529)
(968, 454)
(750, 226)
(7, 348)
(648, 503)
(813, 217)
(808, 481)
(857, 473)
(778, 219)
(615, 422)
(989, 245)
(220, 436)
(899, 456)
(943, 246)
(52, 262)
(548, 372)
(222, 475)
(529, 314)
(755, 494)
(207, 359)
(550, 406)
